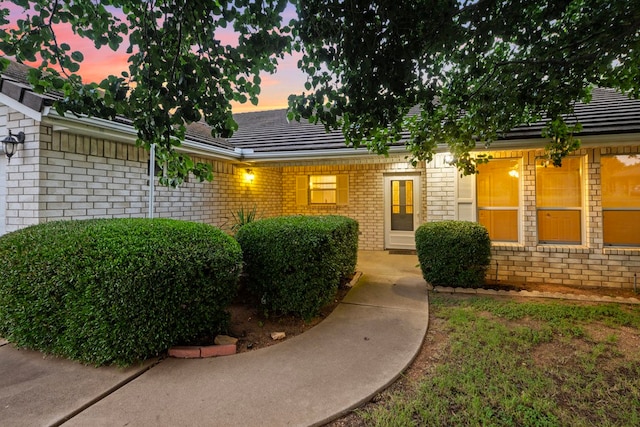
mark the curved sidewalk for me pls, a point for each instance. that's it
(362, 347)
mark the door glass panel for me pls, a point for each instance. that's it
(402, 205)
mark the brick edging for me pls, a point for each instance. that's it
(201, 352)
(536, 294)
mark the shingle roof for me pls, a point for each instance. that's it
(14, 84)
(609, 112)
(270, 132)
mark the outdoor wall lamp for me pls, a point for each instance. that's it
(249, 176)
(449, 159)
(10, 144)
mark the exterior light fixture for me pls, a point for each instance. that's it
(10, 143)
(249, 176)
(449, 159)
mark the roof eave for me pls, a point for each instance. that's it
(285, 156)
(122, 132)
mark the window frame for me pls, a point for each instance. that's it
(518, 209)
(615, 209)
(331, 190)
(303, 190)
(580, 209)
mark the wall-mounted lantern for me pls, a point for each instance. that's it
(10, 144)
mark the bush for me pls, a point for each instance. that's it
(453, 253)
(115, 291)
(295, 264)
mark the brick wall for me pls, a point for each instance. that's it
(589, 264)
(440, 189)
(58, 175)
(22, 172)
(366, 195)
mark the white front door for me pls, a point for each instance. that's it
(402, 210)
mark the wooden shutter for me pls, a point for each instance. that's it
(302, 190)
(342, 187)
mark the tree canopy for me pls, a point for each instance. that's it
(453, 72)
(179, 70)
(474, 68)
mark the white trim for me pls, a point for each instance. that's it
(21, 108)
(284, 156)
(401, 239)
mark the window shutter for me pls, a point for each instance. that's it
(342, 184)
(302, 190)
(465, 197)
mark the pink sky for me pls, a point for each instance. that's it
(98, 64)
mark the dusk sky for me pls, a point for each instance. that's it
(98, 64)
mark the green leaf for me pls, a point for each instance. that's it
(77, 56)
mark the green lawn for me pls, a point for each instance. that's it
(508, 363)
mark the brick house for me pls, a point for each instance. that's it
(574, 225)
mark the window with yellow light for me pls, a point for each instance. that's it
(498, 196)
(620, 179)
(559, 201)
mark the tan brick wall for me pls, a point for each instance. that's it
(589, 264)
(84, 178)
(366, 196)
(64, 176)
(58, 175)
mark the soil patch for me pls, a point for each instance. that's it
(253, 328)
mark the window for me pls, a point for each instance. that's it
(322, 189)
(559, 202)
(498, 195)
(621, 200)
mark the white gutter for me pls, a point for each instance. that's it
(283, 156)
(586, 141)
(106, 129)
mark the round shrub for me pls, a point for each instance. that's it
(453, 253)
(295, 264)
(115, 291)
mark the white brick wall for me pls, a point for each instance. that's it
(366, 195)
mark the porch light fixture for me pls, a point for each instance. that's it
(449, 159)
(10, 143)
(249, 176)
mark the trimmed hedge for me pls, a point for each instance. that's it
(115, 291)
(453, 253)
(295, 264)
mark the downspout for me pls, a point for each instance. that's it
(152, 175)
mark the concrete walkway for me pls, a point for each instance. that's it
(361, 348)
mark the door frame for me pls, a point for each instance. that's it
(402, 239)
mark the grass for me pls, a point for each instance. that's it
(525, 364)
